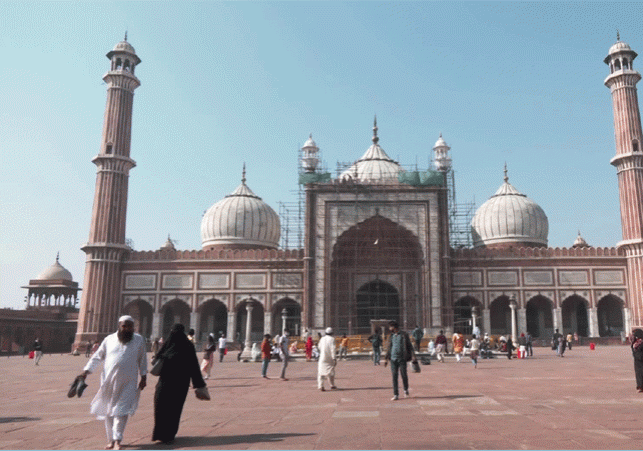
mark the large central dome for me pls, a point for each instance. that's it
(240, 220)
(508, 219)
(374, 167)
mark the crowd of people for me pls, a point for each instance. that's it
(125, 366)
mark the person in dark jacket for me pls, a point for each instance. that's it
(510, 346)
(376, 341)
(637, 354)
(180, 365)
(399, 352)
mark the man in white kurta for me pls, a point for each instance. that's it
(124, 357)
(327, 360)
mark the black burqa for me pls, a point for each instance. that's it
(637, 353)
(180, 365)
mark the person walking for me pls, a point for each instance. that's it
(123, 355)
(266, 353)
(180, 366)
(562, 344)
(418, 334)
(88, 349)
(208, 356)
(309, 348)
(530, 345)
(285, 353)
(522, 346)
(327, 360)
(474, 350)
(637, 355)
(191, 337)
(223, 343)
(376, 341)
(399, 351)
(343, 347)
(37, 347)
(509, 346)
(555, 340)
(440, 346)
(458, 346)
(570, 338)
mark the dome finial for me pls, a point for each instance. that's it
(375, 138)
(57, 256)
(618, 35)
(506, 176)
(243, 175)
(125, 36)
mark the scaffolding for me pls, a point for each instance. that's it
(460, 216)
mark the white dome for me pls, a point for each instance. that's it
(374, 166)
(440, 142)
(241, 218)
(55, 272)
(509, 217)
(580, 241)
(619, 46)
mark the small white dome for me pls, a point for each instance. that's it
(580, 241)
(240, 219)
(509, 217)
(55, 272)
(618, 47)
(310, 143)
(440, 142)
(374, 166)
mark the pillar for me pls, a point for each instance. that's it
(592, 314)
(512, 306)
(194, 323)
(156, 325)
(247, 350)
(486, 320)
(522, 320)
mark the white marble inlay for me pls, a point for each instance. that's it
(358, 414)
(498, 412)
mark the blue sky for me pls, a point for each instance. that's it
(224, 83)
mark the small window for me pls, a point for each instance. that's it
(126, 65)
(625, 64)
(617, 65)
(108, 149)
(635, 146)
(119, 64)
(611, 68)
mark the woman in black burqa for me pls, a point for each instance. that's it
(637, 353)
(180, 364)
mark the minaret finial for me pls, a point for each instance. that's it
(506, 176)
(57, 256)
(618, 35)
(125, 36)
(375, 138)
(243, 176)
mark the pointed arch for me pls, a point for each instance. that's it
(575, 315)
(540, 320)
(462, 314)
(213, 318)
(293, 316)
(500, 315)
(174, 312)
(256, 321)
(142, 312)
(610, 316)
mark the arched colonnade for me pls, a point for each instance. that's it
(214, 316)
(540, 315)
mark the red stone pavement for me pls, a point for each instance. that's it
(586, 400)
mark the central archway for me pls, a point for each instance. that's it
(377, 300)
(376, 269)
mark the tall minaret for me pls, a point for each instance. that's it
(106, 248)
(629, 165)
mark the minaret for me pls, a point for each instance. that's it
(629, 165)
(106, 248)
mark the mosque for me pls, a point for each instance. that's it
(377, 246)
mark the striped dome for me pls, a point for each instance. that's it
(55, 272)
(509, 218)
(241, 219)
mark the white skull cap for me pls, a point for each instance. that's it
(125, 318)
(329, 330)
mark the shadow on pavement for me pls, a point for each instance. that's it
(222, 440)
(17, 419)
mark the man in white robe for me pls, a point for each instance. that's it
(124, 356)
(327, 360)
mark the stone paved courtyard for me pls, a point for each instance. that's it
(586, 400)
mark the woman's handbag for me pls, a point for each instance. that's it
(157, 366)
(202, 393)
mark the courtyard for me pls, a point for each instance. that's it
(586, 400)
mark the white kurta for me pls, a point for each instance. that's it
(123, 362)
(327, 356)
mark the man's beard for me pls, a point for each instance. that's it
(125, 336)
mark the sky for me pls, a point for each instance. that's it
(223, 83)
